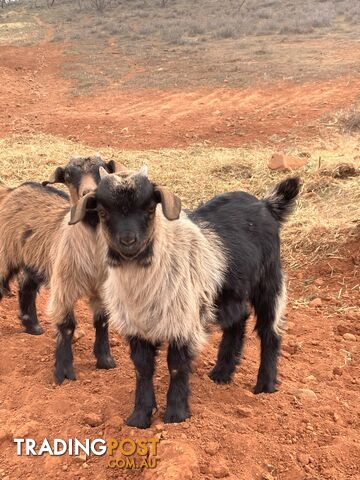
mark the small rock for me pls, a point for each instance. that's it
(337, 371)
(267, 476)
(79, 333)
(280, 161)
(204, 469)
(341, 329)
(310, 378)
(285, 354)
(350, 337)
(336, 417)
(316, 302)
(159, 427)
(81, 457)
(303, 458)
(219, 469)
(292, 347)
(319, 282)
(178, 461)
(93, 420)
(212, 447)
(244, 412)
(305, 394)
(289, 325)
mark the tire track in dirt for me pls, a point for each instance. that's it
(34, 98)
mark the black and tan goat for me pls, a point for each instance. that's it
(172, 274)
(35, 238)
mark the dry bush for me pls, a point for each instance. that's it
(350, 120)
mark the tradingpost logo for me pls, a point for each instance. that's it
(125, 453)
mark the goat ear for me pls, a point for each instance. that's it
(103, 172)
(171, 204)
(78, 211)
(58, 176)
(111, 166)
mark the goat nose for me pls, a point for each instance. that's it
(128, 239)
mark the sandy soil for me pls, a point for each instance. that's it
(290, 435)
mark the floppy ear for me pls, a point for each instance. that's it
(113, 167)
(171, 204)
(84, 205)
(57, 177)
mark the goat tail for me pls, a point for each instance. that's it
(281, 200)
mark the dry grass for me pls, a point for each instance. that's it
(328, 212)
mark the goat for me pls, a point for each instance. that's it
(36, 239)
(172, 274)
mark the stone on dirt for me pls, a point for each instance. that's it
(316, 302)
(178, 462)
(280, 161)
(219, 469)
(244, 412)
(212, 447)
(305, 394)
(93, 419)
(350, 337)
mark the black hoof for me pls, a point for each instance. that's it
(265, 387)
(220, 376)
(34, 330)
(176, 415)
(62, 373)
(32, 327)
(105, 362)
(139, 419)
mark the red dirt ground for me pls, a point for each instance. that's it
(36, 99)
(232, 434)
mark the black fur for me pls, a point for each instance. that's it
(179, 363)
(249, 230)
(232, 316)
(28, 290)
(281, 201)
(5, 282)
(26, 234)
(91, 220)
(63, 356)
(143, 355)
(101, 346)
